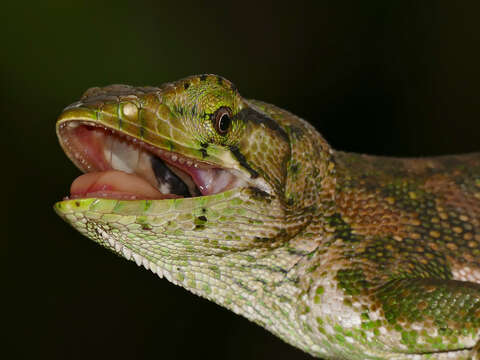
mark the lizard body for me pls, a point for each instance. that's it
(345, 256)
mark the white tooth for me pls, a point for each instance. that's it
(159, 272)
(118, 246)
(153, 267)
(126, 252)
(181, 160)
(189, 163)
(111, 242)
(174, 157)
(137, 258)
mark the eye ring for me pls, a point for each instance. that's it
(222, 120)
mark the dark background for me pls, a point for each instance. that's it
(386, 77)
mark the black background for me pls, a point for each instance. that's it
(386, 77)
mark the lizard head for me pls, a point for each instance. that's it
(195, 137)
(187, 170)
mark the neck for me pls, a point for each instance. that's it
(261, 285)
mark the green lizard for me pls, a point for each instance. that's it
(345, 256)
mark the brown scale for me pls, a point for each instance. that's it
(370, 215)
(431, 212)
(458, 210)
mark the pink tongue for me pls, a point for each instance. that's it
(115, 185)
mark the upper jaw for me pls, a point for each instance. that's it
(98, 148)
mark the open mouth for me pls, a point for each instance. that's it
(122, 167)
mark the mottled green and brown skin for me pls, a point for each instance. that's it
(345, 256)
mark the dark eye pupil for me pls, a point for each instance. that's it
(222, 120)
(224, 123)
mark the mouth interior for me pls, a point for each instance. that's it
(122, 167)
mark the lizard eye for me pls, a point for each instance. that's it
(222, 119)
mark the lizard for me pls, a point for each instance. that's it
(343, 255)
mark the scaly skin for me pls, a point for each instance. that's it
(345, 256)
